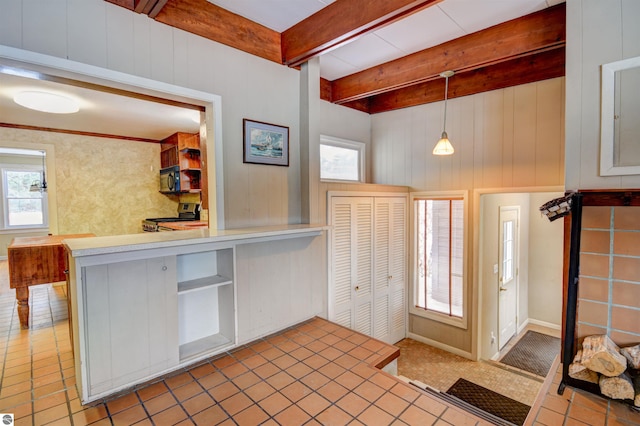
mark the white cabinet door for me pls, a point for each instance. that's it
(368, 265)
(130, 321)
(390, 268)
(397, 269)
(351, 263)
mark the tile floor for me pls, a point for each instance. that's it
(443, 369)
(315, 373)
(577, 407)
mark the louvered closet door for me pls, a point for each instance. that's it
(351, 262)
(389, 268)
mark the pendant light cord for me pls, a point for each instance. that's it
(446, 91)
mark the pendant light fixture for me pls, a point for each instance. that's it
(40, 186)
(444, 147)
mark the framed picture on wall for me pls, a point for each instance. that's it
(265, 143)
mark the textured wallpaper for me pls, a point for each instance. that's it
(103, 186)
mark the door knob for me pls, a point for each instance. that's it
(503, 288)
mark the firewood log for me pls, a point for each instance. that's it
(632, 353)
(601, 355)
(620, 387)
(577, 370)
(636, 389)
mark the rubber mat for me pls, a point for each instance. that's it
(534, 353)
(492, 402)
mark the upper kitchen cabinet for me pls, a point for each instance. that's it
(181, 151)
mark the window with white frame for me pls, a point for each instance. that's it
(341, 159)
(23, 208)
(439, 257)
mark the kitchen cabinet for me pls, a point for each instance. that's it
(367, 281)
(183, 150)
(131, 332)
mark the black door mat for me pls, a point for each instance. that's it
(534, 353)
(492, 402)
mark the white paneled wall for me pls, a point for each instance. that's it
(98, 33)
(511, 137)
(597, 33)
(508, 138)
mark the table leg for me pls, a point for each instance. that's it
(22, 296)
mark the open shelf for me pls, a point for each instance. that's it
(201, 346)
(205, 282)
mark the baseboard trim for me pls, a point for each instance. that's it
(522, 326)
(442, 346)
(544, 324)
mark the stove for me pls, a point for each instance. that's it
(186, 212)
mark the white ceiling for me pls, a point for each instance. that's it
(113, 114)
(100, 112)
(430, 27)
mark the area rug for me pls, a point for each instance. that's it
(534, 353)
(492, 402)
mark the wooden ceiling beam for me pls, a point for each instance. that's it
(127, 4)
(519, 37)
(342, 22)
(215, 23)
(528, 69)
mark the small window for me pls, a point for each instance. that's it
(341, 159)
(439, 258)
(23, 208)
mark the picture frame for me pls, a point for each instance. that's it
(265, 143)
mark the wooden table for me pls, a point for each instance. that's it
(36, 260)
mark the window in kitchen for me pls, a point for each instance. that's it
(439, 256)
(341, 159)
(23, 208)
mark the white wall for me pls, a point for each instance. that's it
(508, 138)
(99, 33)
(598, 32)
(546, 254)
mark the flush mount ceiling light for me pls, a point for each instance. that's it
(46, 102)
(444, 147)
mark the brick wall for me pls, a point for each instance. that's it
(609, 286)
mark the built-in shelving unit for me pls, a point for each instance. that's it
(206, 320)
(183, 150)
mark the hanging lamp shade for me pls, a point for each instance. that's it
(444, 147)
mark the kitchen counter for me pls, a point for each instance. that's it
(185, 226)
(176, 298)
(149, 240)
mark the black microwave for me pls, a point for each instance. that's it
(170, 179)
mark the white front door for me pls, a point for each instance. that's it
(508, 274)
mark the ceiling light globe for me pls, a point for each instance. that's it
(46, 102)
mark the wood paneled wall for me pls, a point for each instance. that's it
(597, 33)
(508, 138)
(99, 33)
(512, 137)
